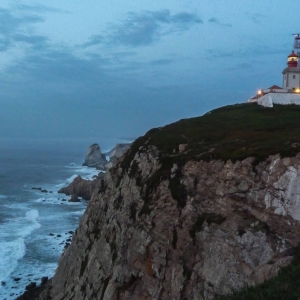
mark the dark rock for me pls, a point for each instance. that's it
(59, 235)
(51, 234)
(80, 187)
(3, 283)
(95, 158)
(71, 232)
(30, 286)
(74, 198)
(44, 280)
(17, 279)
(67, 245)
(44, 191)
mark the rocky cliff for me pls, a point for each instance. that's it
(192, 211)
(95, 158)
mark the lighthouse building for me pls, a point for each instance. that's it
(291, 74)
(289, 93)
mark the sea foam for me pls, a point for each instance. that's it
(12, 245)
(10, 253)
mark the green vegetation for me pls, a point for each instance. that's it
(231, 132)
(284, 286)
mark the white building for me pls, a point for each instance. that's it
(290, 91)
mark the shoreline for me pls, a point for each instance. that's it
(49, 243)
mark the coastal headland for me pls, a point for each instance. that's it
(193, 210)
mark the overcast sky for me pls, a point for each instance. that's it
(98, 68)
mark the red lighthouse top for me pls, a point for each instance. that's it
(292, 60)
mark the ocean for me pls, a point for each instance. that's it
(35, 220)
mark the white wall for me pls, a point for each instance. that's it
(278, 98)
(289, 82)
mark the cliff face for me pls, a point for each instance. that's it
(187, 213)
(189, 233)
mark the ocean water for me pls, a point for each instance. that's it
(35, 225)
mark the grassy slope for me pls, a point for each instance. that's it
(234, 132)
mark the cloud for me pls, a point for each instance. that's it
(213, 20)
(254, 51)
(30, 39)
(216, 21)
(12, 29)
(10, 23)
(255, 17)
(161, 62)
(37, 8)
(145, 28)
(94, 40)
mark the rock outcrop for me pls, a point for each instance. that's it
(171, 220)
(81, 188)
(95, 158)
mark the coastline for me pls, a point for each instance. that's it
(36, 221)
(47, 235)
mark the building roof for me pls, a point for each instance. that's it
(293, 54)
(274, 87)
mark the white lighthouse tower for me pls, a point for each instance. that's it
(291, 74)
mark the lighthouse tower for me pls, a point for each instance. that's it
(291, 74)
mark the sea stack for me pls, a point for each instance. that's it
(95, 158)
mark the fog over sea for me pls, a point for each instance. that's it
(35, 225)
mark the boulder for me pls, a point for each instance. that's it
(30, 286)
(44, 280)
(95, 158)
(80, 188)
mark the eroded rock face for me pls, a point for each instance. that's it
(80, 188)
(118, 150)
(183, 232)
(95, 158)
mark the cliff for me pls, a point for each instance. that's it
(193, 210)
(95, 158)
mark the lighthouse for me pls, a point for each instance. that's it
(289, 93)
(291, 74)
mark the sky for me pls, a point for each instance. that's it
(102, 69)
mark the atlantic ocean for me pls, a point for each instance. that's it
(35, 221)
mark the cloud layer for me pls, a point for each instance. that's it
(12, 29)
(145, 28)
